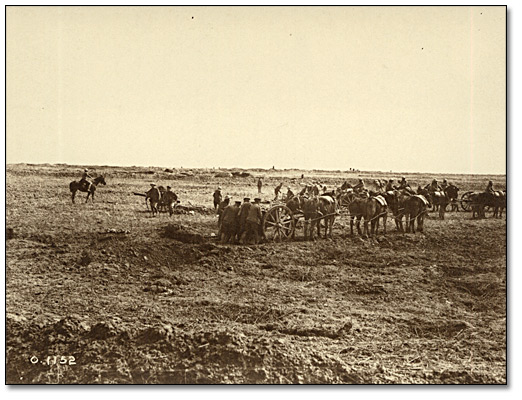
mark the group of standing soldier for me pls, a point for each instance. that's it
(238, 222)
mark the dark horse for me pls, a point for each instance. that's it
(453, 194)
(415, 209)
(438, 199)
(316, 209)
(495, 200)
(376, 208)
(395, 200)
(90, 188)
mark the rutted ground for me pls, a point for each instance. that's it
(112, 287)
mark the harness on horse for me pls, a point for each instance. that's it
(381, 200)
(420, 196)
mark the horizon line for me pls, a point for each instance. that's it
(256, 168)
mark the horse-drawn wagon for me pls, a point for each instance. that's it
(281, 220)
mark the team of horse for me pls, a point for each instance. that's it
(408, 208)
(496, 200)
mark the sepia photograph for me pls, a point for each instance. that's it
(256, 195)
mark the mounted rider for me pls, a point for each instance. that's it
(444, 184)
(403, 184)
(84, 182)
(434, 187)
(359, 187)
(389, 186)
(489, 188)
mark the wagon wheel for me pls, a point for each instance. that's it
(278, 223)
(465, 201)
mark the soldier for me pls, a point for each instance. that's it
(444, 184)
(153, 195)
(84, 183)
(389, 185)
(217, 197)
(169, 198)
(259, 185)
(277, 190)
(229, 222)
(289, 194)
(359, 187)
(434, 187)
(489, 188)
(403, 184)
(253, 221)
(242, 215)
(220, 209)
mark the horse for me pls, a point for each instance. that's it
(295, 204)
(74, 186)
(316, 209)
(310, 209)
(437, 199)
(452, 192)
(495, 200)
(395, 200)
(357, 208)
(501, 203)
(376, 208)
(415, 209)
(328, 208)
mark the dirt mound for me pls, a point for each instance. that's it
(183, 234)
(174, 354)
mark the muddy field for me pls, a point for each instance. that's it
(104, 293)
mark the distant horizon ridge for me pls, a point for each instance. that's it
(258, 168)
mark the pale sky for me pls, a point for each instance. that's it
(373, 88)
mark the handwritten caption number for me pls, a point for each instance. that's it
(63, 360)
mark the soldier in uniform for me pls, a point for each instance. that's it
(217, 197)
(220, 210)
(434, 187)
(259, 185)
(444, 184)
(169, 198)
(242, 215)
(359, 187)
(489, 188)
(229, 222)
(253, 222)
(403, 184)
(84, 183)
(277, 190)
(289, 194)
(153, 195)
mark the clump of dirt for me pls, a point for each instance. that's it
(327, 330)
(85, 258)
(183, 234)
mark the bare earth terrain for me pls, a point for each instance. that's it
(136, 299)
